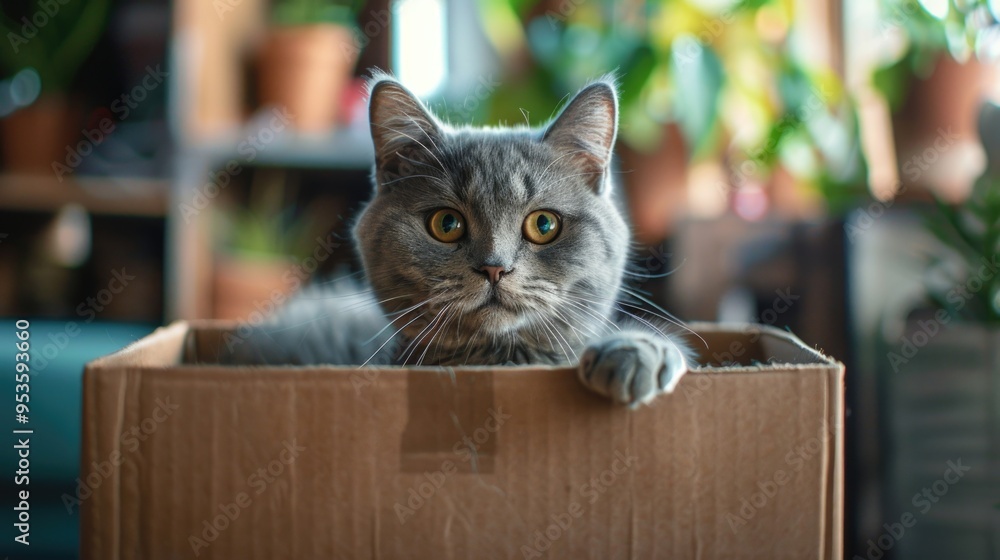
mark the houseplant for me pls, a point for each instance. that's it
(702, 87)
(932, 65)
(307, 59)
(939, 385)
(261, 242)
(940, 380)
(48, 42)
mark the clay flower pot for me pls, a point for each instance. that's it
(657, 185)
(244, 284)
(306, 69)
(37, 135)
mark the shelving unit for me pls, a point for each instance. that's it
(117, 196)
(208, 91)
(206, 111)
(348, 148)
(190, 253)
(119, 182)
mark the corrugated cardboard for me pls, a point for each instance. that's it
(182, 460)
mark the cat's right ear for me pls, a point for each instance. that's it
(584, 132)
(403, 131)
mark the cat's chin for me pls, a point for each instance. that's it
(496, 317)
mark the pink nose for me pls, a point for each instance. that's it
(493, 273)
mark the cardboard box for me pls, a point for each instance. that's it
(184, 460)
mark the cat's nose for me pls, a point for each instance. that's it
(494, 273)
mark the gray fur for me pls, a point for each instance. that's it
(555, 304)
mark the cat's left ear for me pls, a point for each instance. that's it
(585, 131)
(403, 131)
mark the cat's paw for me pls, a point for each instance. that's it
(632, 367)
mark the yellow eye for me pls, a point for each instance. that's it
(447, 225)
(541, 227)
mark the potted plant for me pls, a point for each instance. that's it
(940, 385)
(48, 42)
(712, 101)
(307, 59)
(940, 381)
(928, 69)
(261, 242)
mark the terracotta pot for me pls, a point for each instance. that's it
(37, 135)
(656, 184)
(306, 69)
(247, 284)
(937, 144)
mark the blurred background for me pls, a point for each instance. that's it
(826, 166)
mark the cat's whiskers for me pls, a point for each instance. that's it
(370, 302)
(421, 129)
(413, 345)
(670, 319)
(440, 329)
(562, 178)
(559, 339)
(379, 349)
(458, 331)
(400, 315)
(405, 177)
(641, 276)
(469, 343)
(419, 143)
(577, 332)
(602, 320)
(567, 154)
(666, 315)
(655, 328)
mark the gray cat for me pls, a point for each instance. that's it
(484, 247)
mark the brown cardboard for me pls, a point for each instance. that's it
(171, 447)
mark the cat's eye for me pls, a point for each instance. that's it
(446, 225)
(541, 227)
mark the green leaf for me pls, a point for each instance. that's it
(698, 75)
(308, 12)
(635, 73)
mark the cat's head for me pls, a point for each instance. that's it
(492, 231)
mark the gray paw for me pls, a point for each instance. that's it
(632, 367)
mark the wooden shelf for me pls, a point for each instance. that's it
(98, 195)
(347, 148)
